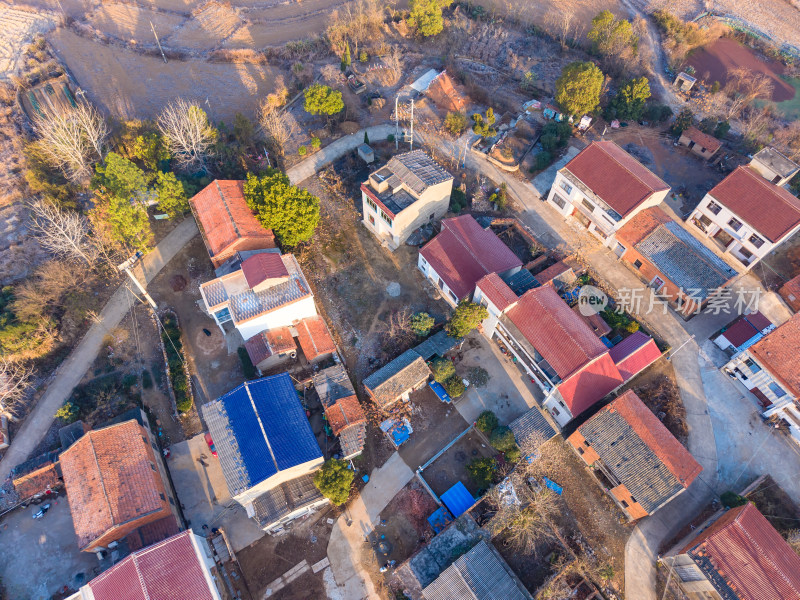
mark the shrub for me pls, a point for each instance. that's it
(302, 150)
(130, 380)
(500, 198)
(632, 326)
(513, 454)
(68, 412)
(458, 200)
(454, 386)
(467, 317)
(362, 56)
(421, 323)
(557, 135)
(683, 121)
(315, 143)
(543, 160)
(334, 480)
(502, 439)
(707, 125)
(657, 113)
(478, 376)
(732, 499)
(455, 123)
(247, 365)
(482, 470)
(171, 337)
(390, 137)
(715, 87)
(483, 126)
(442, 369)
(722, 129)
(147, 379)
(487, 421)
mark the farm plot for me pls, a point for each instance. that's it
(130, 23)
(210, 25)
(131, 85)
(18, 29)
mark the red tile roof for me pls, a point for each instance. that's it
(657, 437)
(223, 217)
(36, 482)
(463, 252)
(709, 142)
(770, 209)
(641, 225)
(110, 480)
(547, 275)
(262, 266)
(274, 341)
(595, 321)
(345, 412)
(777, 352)
(169, 570)
(750, 555)
(590, 384)
(740, 331)
(634, 354)
(496, 291)
(314, 337)
(557, 333)
(152, 533)
(790, 291)
(615, 176)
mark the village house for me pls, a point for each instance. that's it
(181, 566)
(770, 369)
(634, 457)
(410, 191)
(267, 450)
(671, 261)
(603, 188)
(271, 348)
(226, 222)
(343, 411)
(701, 144)
(118, 488)
(790, 292)
(774, 166)
(740, 556)
(747, 216)
(743, 332)
(557, 348)
(397, 379)
(461, 254)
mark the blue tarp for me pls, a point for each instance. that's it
(400, 434)
(458, 499)
(553, 485)
(439, 390)
(439, 519)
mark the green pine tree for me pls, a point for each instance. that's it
(346, 61)
(366, 137)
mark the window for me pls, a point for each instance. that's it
(588, 205)
(777, 390)
(735, 224)
(162, 496)
(432, 217)
(580, 450)
(702, 223)
(566, 187)
(756, 241)
(714, 208)
(152, 466)
(372, 205)
(624, 504)
(453, 296)
(559, 201)
(441, 283)
(745, 252)
(586, 443)
(752, 365)
(555, 411)
(657, 283)
(386, 218)
(171, 501)
(371, 219)
(422, 260)
(637, 263)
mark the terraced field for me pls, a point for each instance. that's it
(17, 28)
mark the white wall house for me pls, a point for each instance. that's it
(405, 194)
(603, 188)
(746, 216)
(430, 273)
(774, 166)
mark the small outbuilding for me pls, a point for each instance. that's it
(366, 153)
(684, 82)
(702, 144)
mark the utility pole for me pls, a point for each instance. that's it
(126, 266)
(158, 42)
(691, 337)
(396, 125)
(411, 147)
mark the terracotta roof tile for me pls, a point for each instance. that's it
(634, 354)
(273, 341)
(709, 142)
(110, 479)
(168, 570)
(615, 176)
(642, 225)
(770, 209)
(152, 533)
(463, 252)
(590, 384)
(223, 217)
(595, 321)
(37, 481)
(790, 291)
(497, 291)
(314, 337)
(263, 266)
(547, 275)
(347, 411)
(748, 555)
(777, 353)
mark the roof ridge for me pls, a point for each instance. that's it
(758, 547)
(100, 476)
(639, 179)
(227, 208)
(775, 189)
(567, 333)
(471, 253)
(261, 425)
(140, 576)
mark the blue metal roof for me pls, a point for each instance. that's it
(458, 499)
(439, 390)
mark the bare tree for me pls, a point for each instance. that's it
(63, 233)
(35, 297)
(787, 139)
(755, 125)
(15, 381)
(743, 87)
(793, 538)
(278, 127)
(189, 134)
(356, 22)
(561, 22)
(94, 127)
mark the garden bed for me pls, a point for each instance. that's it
(175, 361)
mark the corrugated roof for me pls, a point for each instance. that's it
(529, 426)
(260, 428)
(438, 344)
(463, 252)
(169, 570)
(496, 291)
(417, 170)
(477, 575)
(458, 499)
(685, 261)
(397, 377)
(314, 337)
(223, 217)
(615, 176)
(285, 498)
(99, 465)
(637, 448)
(778, 353)
(771, 210)
(748, 557)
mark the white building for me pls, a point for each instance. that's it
(774, 166)
(257, 291)
(604, 187)
(746, 216)
(405, 194)
(770, 369)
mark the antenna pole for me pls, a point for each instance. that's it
(411, 143)
(158, 42)
(396, 125)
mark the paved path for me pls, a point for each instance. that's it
(347, 542)
(330, 153)
(83, 355)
